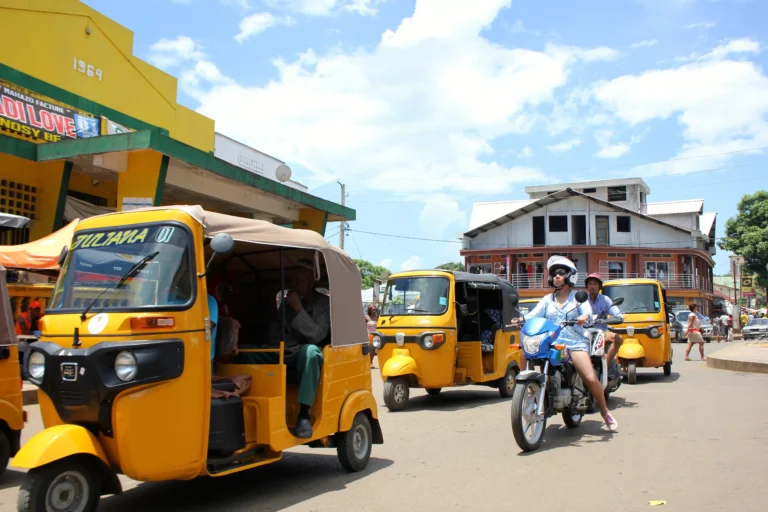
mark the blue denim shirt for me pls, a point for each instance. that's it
(573, 336)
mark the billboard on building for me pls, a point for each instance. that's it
(30, 116)
(747, 287)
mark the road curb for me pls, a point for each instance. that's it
(749, 359)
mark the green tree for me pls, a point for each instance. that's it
(369, 272)
(456, 267)
(747, 235)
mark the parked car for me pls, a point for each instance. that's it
(675, 329)
(757, 328)
(706, 327)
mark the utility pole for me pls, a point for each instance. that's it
(342, 225)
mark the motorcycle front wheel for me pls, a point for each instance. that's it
(528, 431)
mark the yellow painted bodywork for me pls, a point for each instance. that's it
(11, 411)
(648, 352)
(160, 431)
(454, 363)
(128, 84)
(56, 443)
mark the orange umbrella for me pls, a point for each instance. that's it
(41, 254)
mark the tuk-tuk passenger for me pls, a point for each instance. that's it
(602, 308)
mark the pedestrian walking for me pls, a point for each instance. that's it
(694, 333)
(371, 318)
(716, 328)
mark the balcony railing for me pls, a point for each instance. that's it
(670, 281)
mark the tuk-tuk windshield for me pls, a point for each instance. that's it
(416, 296)
(100, 258)
(638, 298)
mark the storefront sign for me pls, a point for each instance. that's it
(747, 289)
(112, 128)
(31, 116)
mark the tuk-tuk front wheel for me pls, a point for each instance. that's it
(63, 486)
(668, 368)
(507, 383)
(5, 452)
(354, 446)
(632, 372)
(396, 393)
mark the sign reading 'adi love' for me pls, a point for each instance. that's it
(31, 116)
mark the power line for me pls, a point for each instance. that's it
(331, 236)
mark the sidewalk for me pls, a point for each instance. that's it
(750, 356)
(29, 393)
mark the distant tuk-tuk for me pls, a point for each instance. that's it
(440, 329)
(12, 415)
(154, 359)
(646, 331)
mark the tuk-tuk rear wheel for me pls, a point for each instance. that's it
(507, 383)
(668, 368)
(396, 393)
(354, 446)
(64, 486)
(433, 391)
(5, 451)
(632, 372)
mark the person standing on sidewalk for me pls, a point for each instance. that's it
(371, 319)
(694, 333)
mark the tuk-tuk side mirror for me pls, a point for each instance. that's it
(619, 301)
(63, 255)
(221, 244)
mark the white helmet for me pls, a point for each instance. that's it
(556, 262)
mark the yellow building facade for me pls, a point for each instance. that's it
(83, 122)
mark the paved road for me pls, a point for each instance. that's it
(697, 439)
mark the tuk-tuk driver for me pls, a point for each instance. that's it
(602, 308)
(307, 324)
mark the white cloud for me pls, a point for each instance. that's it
(183, 2)
(564, 146)
(167, 53)
(386, 263)
(242, 4)
(257, 23)
(411, 263)
(700, 24)
(306, 7)
(609, 149)
(644, 44)
(436, 216)
(720, 104)
(526, 153)
(406, 110)
(363, 7)
(734, 46)
(186, 54)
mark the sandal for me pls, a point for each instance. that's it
(611, 422)
(687, 358)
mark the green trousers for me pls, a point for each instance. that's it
(308, 364)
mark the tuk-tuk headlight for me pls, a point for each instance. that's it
(126, 366)
(630, 330)
(432, 341)
(654, 332)
(428, 342)
(37, 365)
(376, 341)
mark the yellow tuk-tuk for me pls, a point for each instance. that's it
(12, 414)
(645, 331)
(168, 372)
(527, 304)
(441, 329)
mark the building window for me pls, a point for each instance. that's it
(659, 269)
(484, 257)
(616, 270)
(590, 190)
(558, 224)
(617, 194)
(88, 198)
(623, 224)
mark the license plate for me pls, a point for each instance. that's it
(69, 371)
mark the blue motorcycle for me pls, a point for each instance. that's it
(557, 388)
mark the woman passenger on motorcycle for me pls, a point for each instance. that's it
(555, 308)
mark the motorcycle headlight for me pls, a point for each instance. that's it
(630, 330)
(126, 366)
(428, 342)
(376, 341)
(37, 365)
(531, 344)
(654, 332)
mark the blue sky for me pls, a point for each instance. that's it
(424, 107)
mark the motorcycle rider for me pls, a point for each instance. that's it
(555, 308)
(602, 308)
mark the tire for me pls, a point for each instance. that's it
(433, 391)
(507, 383)
(396, 393)
(354, 446)
(5, 452)
(668, 368)
(632, 372)
(572, 420)
(520, 400)
(59, 479)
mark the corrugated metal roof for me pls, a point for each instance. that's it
(483, 213)
(672, 207)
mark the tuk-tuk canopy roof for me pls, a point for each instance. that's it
(40, 255)
(509, 293)
(344, 278)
